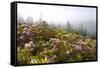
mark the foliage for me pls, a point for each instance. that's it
(40, 43)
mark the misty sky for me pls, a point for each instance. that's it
(57, 14)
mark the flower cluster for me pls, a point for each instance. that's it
(29, 45)
(38, 44)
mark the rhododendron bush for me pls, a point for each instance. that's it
(42, 43)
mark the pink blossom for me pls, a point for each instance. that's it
(27, 45)
(21, 39)
(32, 43)
(78, 47)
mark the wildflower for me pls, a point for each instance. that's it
(29, 29)
(27, 32)
(27, 45)
(78, 47)
(21, 39)
(51, 39)
(25, 29)
(32, 44)
(78, 42)
(55, 40)
(84, 43)
(52, 44)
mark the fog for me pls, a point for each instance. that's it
(60, 15)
